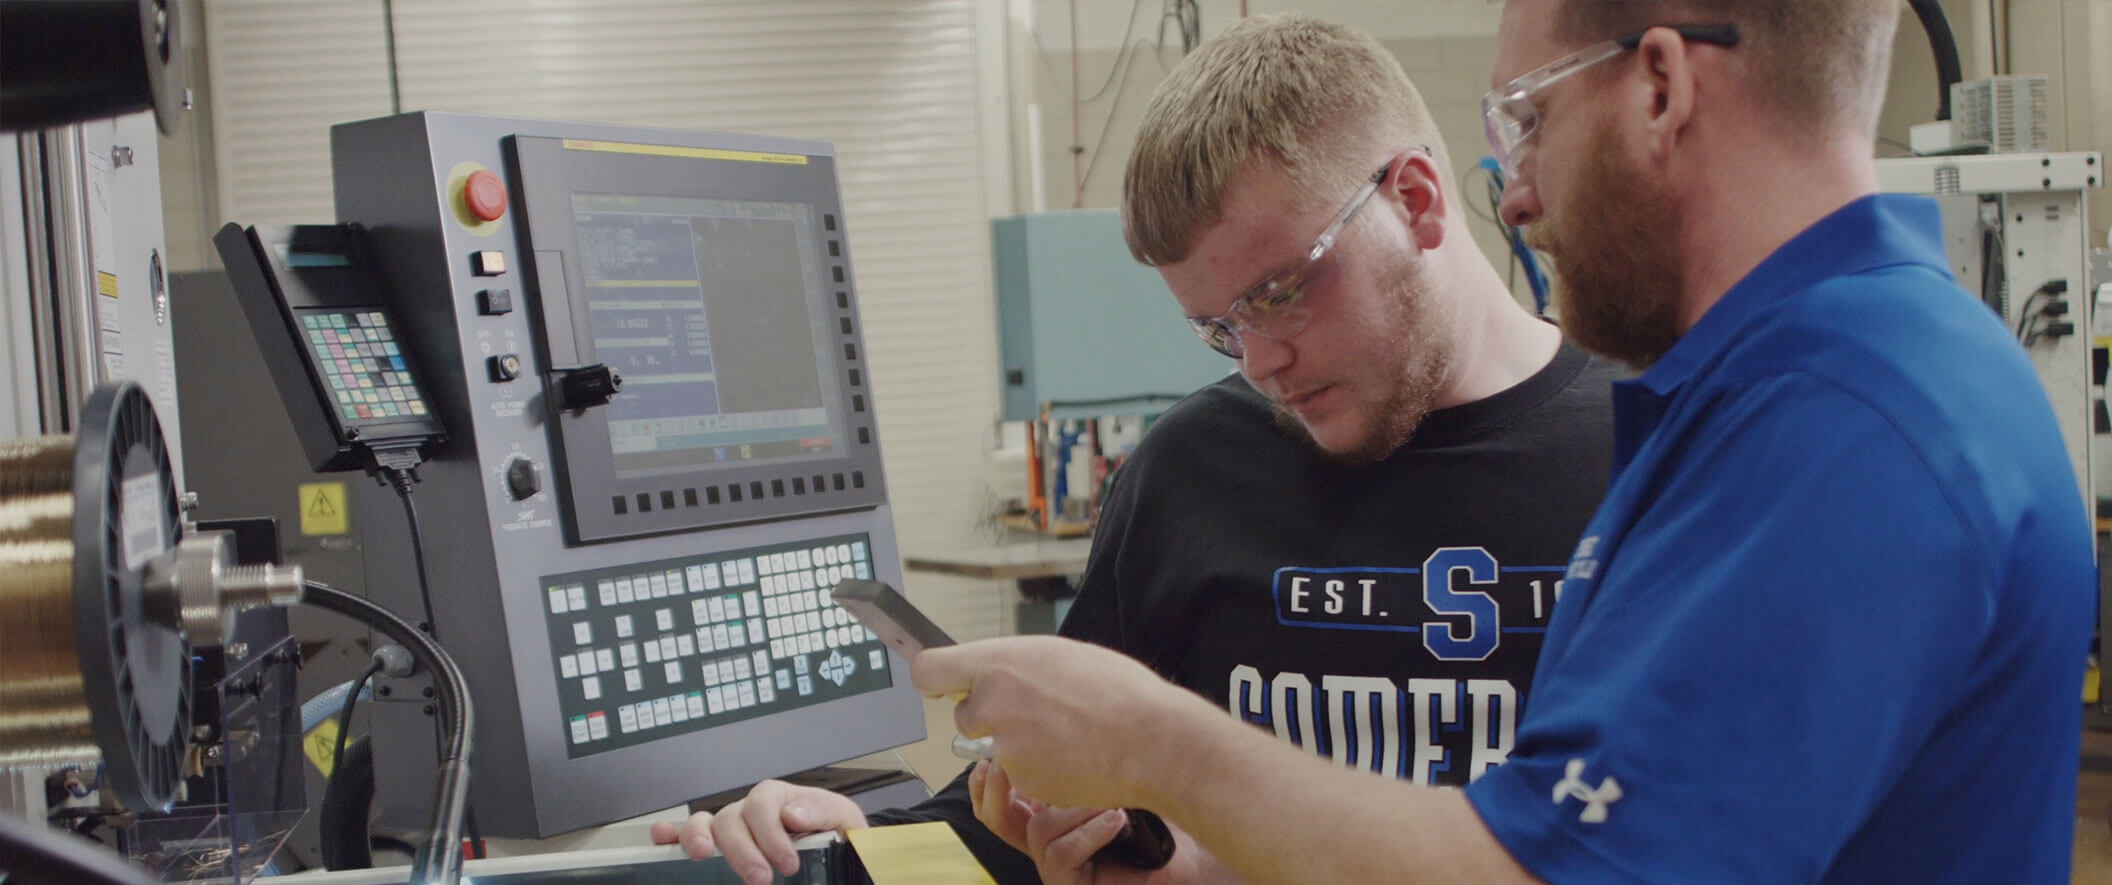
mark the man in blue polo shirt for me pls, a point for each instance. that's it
(1830, 622)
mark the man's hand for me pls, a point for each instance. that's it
(999, 807)
(1076, 724)
(1062, 841)
(755, 833)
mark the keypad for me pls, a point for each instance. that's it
(363, 364)
(648, 651)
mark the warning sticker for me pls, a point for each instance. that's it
(323, 509)
(320, 745)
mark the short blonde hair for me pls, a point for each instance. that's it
(1317, 100)
(1824, 61)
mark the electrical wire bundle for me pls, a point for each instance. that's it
(2046, 304)
(1522, 256)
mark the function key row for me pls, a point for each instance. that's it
(819, 567)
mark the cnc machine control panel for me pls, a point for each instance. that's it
(647, 350)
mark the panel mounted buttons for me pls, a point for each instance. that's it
(488, 263)
(495, 302)
(505, 366)
(485, 195)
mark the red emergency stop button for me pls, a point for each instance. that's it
(485, 195)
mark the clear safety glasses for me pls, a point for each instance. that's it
(1274, 308)
(1509, 115)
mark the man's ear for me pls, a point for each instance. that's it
(1425, 201)
(1668, 71)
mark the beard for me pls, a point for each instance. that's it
(1402, 390)
(1616, 254)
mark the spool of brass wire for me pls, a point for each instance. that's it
(87, 673)
(44, 718)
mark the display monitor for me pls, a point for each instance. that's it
(711, 310)
(716, 283)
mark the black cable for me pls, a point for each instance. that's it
(1994, 270)
(401, 480)
(1109, 125)
(1187, 18)
(1112, 401)
(440, 859)
(1945, 47)
(2052, 291)
(2024, 314)
(33, 854)
(1114, 69)
(388, 26)
(348, 801)
(344, 714)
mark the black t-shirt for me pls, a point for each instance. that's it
(1387, 616)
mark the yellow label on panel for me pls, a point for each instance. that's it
(666, 150)
(320, 743)
(323, 509)
(106, 283)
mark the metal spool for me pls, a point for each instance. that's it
(87, 672)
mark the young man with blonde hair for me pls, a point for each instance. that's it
(1829, 624)
(1355, 542)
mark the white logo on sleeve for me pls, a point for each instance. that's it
(1595, 800)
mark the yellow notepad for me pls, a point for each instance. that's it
(917, 854)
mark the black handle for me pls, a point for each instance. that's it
(1144, 844)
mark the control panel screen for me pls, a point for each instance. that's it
(710, 309)
(647, 651)
(359, 357)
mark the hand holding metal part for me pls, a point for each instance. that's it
(1144, 844)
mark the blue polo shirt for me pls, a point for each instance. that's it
(1830, 623)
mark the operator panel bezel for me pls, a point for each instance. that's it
(598, 503)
